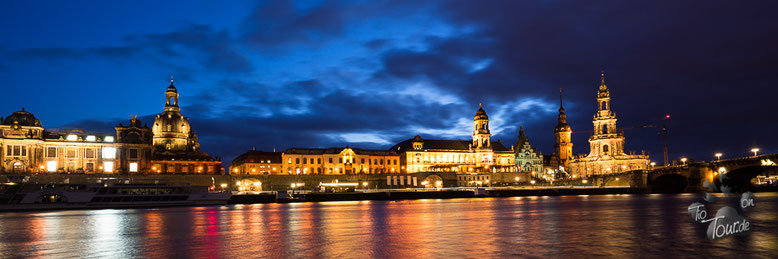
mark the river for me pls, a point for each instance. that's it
(656, 225)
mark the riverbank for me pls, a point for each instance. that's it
(408, 194)
(445, 193)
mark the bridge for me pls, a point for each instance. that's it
(690, 177)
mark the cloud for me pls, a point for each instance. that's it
(214, 50)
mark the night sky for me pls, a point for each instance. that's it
(372, 73)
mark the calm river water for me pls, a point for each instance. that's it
(569, 226)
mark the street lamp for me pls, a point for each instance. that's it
(653, 164)
(718, 157)
(755, 150)
(683, 159)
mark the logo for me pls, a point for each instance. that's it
(727, 221)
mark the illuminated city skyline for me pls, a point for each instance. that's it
(282, 75)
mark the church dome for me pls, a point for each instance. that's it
(22, 118)
(171, 122)
(171, 87)
(481, 114)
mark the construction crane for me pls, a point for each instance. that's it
(662, 131)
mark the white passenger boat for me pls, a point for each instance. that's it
(41, 196)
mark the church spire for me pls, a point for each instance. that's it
(603, 87)
(562, 118)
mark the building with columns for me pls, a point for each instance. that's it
(307, 161)
(170, 146)
(606, 145)
(480, 154)
(27, 147)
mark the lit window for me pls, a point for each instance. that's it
(90, 138)
(51, 166)
(134, 167)
(72, 138)
(108, 166)
(108, 138)
(109, 152)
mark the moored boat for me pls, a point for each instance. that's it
(42, 196)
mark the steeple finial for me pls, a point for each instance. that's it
(603, 87)
(171, 80)
(602, 76)
(479, 105)
(560, 98)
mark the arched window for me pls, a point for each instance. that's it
(605, 149)
(604, 129)
(604, 106)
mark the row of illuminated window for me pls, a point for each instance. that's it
(260, 161)
(14, 150)
(184, 168)
(108, 166)
(90, 138)
(72, 152)
(341, 160)
(455, 158)
(336, 170)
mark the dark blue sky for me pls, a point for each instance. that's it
(372, 73)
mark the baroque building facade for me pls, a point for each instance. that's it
(317, 161)
(463, 156)
(176, 147)
(27, 147)
(528, 159)
(606, 145)
(171, 146)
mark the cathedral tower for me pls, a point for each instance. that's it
(563, 145)
(605, 141)
(481, 135)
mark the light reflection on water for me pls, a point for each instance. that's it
(604, 225)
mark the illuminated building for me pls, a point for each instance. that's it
(176, 147)
(563, 145)
(477, 155)
(346, 160)
(606, 144)
(528, 159)
(257, 162)
(27, 147)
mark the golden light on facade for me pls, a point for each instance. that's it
(532, 182)
(584, 181)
